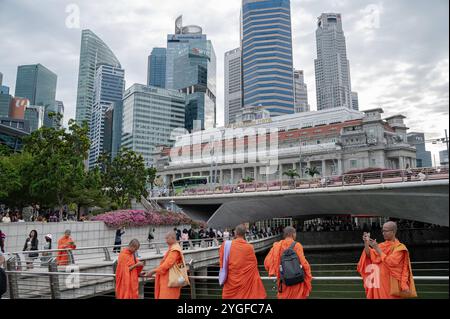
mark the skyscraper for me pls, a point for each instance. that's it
(117, 128)
(333, 83)
(109, 85)
(150, 115)
(266, 41)
(423, 157)
(233, 85)
(301, 92)
(193, 71)
(93, 52)
(34, 114)
(156, 73)
(38, 84)
(355, 101)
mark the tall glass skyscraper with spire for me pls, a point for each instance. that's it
(93, 52)
(267, 66)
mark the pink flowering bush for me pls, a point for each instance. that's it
(138, 218)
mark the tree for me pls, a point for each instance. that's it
(124, 177)
(56, 170)
(248, 180)
(312, 171)
(9, 177)
(292, 173)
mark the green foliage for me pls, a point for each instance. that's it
(292, 173)
(248, 180)
(125, 177)
(312, 171)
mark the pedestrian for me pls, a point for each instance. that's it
(31, 244)
(127, 272)
(226, 234)
(6, 218)
(185, 239)
(173, 259)
(47, 246)
(300, 288)
(150, 236)
(2, 241)
(66, 243)
(3, 279)
(118, 239)
(409, 173)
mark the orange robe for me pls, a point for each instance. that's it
(272, 264)
(243, 280)
(393, 266)
(127, 281)
(162, 290)
(62, 256)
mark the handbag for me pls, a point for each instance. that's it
(178, 276)
(223, 273)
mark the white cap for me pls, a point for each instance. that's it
(49, 236)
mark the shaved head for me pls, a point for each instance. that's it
(171, 238)
(241, 230)
(134, 245)
(289, 232)
(389, 231)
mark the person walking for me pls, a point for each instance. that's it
(118, 239)
(31, 244)
(47, 246)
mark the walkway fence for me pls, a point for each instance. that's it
(346, 180)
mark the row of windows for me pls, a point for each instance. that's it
(262, 74)
(275, 95)
(259, 85)
(264, 43)
(267, 62)
(275, 33)
(277, 25)
(256, 52)
(254, 70)
(264, 57)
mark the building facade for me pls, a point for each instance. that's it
(301, 92)
(109, 85)
(193, 71)
(443, 158)
(117, 128)
(335, 141)
(267, 65)
(423, 156)
(156, 72)
(333, 84)
(35, 114)
(38, 84)
(93, 52)
(150, 115)
(5, 101)
(233, 85)
(355, 101)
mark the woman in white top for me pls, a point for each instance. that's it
(6, 218)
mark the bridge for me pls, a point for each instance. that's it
(91, 270)
(422, 195)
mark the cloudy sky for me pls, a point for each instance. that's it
(398, 49)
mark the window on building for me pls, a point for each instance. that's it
(354, 163)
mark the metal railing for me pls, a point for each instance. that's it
(346, 180)
(56, 285)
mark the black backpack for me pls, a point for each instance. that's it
(291, 270)
(2, 282)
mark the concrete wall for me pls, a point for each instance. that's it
(85, 234)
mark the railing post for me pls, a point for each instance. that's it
(12, 278)
(403, 176)
(381, 177)
(54, 280)
(192, 281)
(362, 178)
(107, 254)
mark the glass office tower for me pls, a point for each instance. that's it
(266, 41)
(156, 73)
(93, 52)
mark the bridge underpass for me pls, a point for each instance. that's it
(423, 201)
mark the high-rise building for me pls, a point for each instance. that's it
(193, 71)
(355, 101)
(117, 128)
(109, 85)
(5, 101)
(333, 84)
(266, 41)
(38, 84)
(301, 92)
(93, 52)
(108, 130)
(443, 158)
(34, 114)
(156, 73)
(423, 157)
(1, 78)
(233, 85)
(150, 116)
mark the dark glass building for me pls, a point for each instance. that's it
(156, 73)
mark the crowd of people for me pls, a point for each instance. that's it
(36, 214)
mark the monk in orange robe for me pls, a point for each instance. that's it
(65, 242)
(273, 261)
(127, 273)
(172, 257)
(243, 279)
(386, 267)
